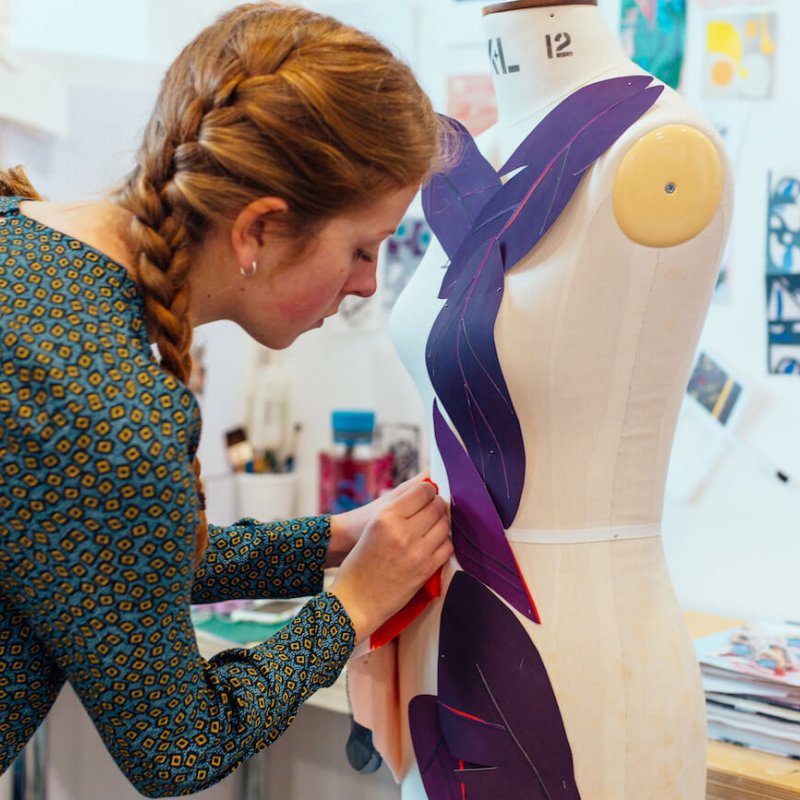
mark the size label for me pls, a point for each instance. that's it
(558, 46)
(497, 58)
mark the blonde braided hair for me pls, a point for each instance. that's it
(271, 100)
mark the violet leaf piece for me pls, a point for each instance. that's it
(557, 181)
(497, 709)
(579, 111)
(437, 767)
(461, 358)
(582, 127)
(452, 200)
(465, 370)
(479, 539)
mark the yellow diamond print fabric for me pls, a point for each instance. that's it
(97, 517)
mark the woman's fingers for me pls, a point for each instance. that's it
(413, 499)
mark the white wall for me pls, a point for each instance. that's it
(735, 548)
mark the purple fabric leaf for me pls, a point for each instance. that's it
(559, 178)
(452, 200)
(461, 357)
(587, 122)
(479, 539)
(436, 766)
(578, 111)
(497, 709)
(464, 367)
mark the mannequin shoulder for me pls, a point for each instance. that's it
(668, 177)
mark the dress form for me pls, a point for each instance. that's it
(596, 335)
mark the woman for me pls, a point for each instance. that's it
(283, 148)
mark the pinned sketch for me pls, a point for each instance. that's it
(401, 256)
(783, 276)
(471, 100)
(783, 234)
(404, 442)
(740, 55)
(714, 389)
(783, 323)
(713, 403)
(653, 34)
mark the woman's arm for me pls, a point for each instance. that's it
(252, 559)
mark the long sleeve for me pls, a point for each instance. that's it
(253, 559)
(102, 569)
(98, 512)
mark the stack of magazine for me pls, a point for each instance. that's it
(751, 677)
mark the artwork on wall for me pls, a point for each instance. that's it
(471, 100)
(783, 275)
(653, 34)
(401, 256)
(714, 388)
(740, 55)
(710, 414)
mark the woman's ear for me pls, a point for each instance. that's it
(248, 231)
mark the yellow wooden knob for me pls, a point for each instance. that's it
(668, 186)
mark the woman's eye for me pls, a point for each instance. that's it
(363, 255)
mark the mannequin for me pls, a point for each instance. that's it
(596, 335)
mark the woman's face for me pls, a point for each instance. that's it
(288, 296)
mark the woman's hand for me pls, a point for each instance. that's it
(402, 546)
(347, 527)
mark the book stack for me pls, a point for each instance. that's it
(751, 677)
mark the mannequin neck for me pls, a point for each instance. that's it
(539, 55)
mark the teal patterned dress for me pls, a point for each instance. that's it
(97, 517)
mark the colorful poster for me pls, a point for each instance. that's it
(783, 275)
(714, 389)
(653, 33)
(471, 100)
(740, 55)
(403, 252)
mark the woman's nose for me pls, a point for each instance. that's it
(364, 281)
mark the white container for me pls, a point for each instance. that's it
(266, 496)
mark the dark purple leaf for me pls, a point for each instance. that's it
(461, 357)
(588, 121)
(463, 365)
(557, 181)
(579, 111)
(479, 539)
(436, 766)
(497, 709)
(452, 200)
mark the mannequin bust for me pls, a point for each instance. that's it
(596, 335)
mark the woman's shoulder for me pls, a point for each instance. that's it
(10, 203)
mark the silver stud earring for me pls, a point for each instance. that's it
(248, 272)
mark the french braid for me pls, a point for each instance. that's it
(270, 100)
(14, 183)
